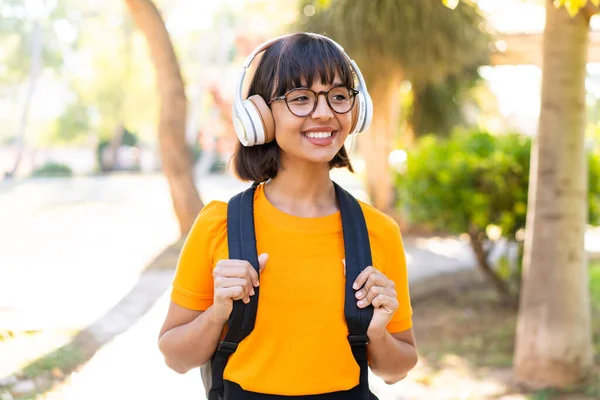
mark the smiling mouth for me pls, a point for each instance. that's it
(319, 135)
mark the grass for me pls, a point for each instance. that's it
(50, 369)
(65, 358)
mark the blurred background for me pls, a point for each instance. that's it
(115, 130)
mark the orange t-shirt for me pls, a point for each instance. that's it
(299, 344)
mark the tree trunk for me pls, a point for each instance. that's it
(34, 73)
(109, 156)
(554, 343)
(376, 144)
(175, 155)
(483, 262)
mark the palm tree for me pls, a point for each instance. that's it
(175, 155)
(418, 40)
(554, 343)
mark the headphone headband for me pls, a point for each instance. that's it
(244, 117)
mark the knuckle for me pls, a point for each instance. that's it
(370, 281)
(375, 292)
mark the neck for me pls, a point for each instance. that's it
(304, 191)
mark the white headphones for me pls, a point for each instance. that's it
(253, 120)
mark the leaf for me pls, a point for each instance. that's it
(451, 4)
(503, 268)
(573, 6)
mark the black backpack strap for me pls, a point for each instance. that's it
(358, 257)
(241, 240)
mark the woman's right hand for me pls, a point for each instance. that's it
(234, 280)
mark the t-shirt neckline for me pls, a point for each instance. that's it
(263, 207)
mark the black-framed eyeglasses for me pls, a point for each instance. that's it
(302, 102)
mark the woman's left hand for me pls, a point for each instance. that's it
(377, 289)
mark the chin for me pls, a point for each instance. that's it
(320, 160)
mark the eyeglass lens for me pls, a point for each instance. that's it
(302, 102)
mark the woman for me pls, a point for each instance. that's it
(299, 345)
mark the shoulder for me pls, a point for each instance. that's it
(215, 211)
(379, 223)
(212, 218)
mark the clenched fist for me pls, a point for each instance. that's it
(234, 280)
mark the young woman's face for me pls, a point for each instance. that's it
(315, 138)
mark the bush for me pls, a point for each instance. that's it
(52, 169)
(467, 182)
(472, 180)
(218, 166)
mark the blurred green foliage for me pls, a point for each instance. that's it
(422, 38)
(475, 179)
(439, 107)
(129, 138)
(52, 169)
(71, 126)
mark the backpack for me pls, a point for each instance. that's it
(242, 245)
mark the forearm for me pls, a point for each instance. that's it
(191, 345)
(390, 358)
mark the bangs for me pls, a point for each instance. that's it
(303, 60)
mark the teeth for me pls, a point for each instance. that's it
(319, 135)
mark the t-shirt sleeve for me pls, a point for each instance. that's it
(193, 286)
(396, 270)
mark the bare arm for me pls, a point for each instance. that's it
(392, 356)
(188, 338)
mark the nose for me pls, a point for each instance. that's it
(322, 110)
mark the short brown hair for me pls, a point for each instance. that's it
(283, 66)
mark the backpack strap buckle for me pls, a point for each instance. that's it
(358, 339)
(227, 347)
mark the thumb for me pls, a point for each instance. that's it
(262, 261)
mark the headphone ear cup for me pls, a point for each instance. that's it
(359, 114)
(368, 112)
(262, 118)
(355, 112)
(363, 114)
